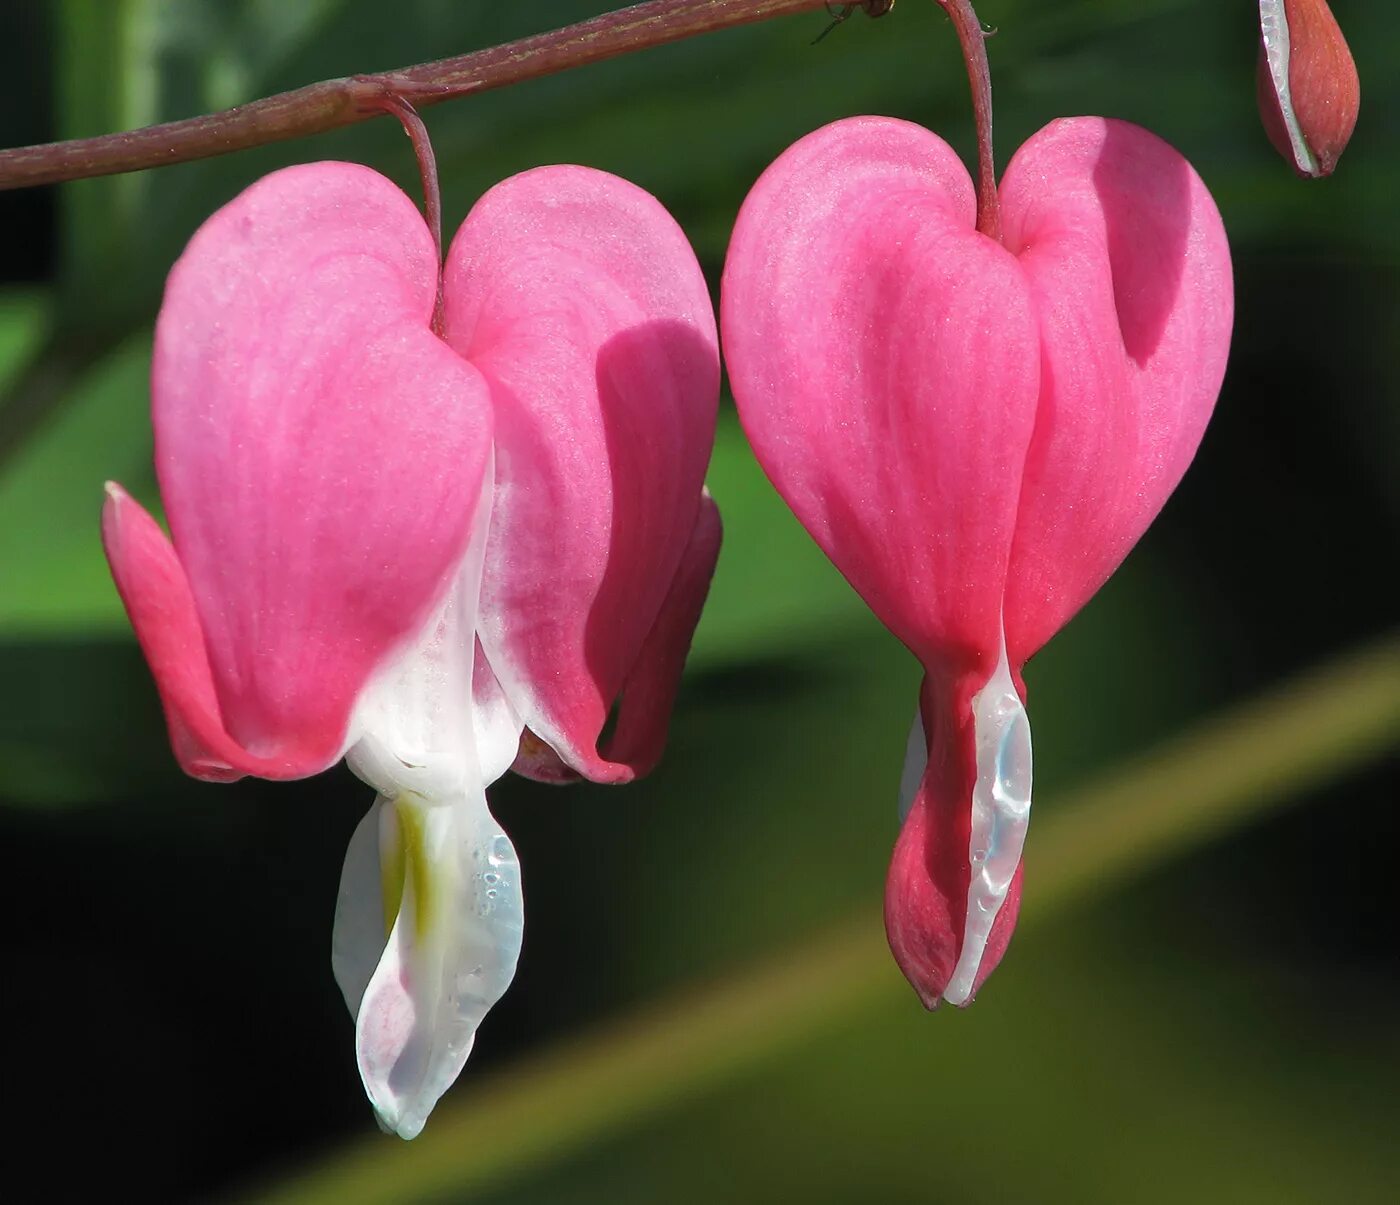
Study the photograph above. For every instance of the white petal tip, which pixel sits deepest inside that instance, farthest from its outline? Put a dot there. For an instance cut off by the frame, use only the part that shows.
(957, 996)
(391, 1121)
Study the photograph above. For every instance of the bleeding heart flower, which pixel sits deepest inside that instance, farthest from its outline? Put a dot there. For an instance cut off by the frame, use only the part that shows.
(976, 434)
(1308, 89)
(326, 462)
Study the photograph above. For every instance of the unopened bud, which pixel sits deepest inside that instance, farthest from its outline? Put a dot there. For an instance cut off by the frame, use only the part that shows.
(1309, 92)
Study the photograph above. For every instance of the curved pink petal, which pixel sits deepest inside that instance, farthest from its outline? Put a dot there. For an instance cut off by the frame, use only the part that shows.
(156, 593)
(1130, 273)
(884, 358)
(580, 301)
(320, 455)
(649, 694)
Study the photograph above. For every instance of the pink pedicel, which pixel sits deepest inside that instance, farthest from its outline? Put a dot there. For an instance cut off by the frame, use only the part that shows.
(976, 434)
(402, 549)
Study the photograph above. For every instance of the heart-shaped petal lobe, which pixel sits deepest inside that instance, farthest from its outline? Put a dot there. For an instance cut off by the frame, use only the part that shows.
(884, 360)
(580, 301)
(1130, 274)
(320, 454)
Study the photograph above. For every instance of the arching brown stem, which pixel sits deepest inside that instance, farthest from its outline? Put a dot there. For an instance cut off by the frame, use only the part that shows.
(427, 168)
(979, 79)
(341, 102)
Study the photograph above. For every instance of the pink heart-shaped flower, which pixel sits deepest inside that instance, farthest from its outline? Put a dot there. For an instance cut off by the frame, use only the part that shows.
(976, 434)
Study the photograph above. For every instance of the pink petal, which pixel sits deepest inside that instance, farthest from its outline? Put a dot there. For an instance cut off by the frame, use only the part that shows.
(1130, 272)
(320, 454)
(649, 694)
(156, 593)
(884, 359)
(579, 299)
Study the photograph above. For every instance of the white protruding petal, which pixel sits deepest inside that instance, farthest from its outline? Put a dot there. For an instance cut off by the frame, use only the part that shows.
(496, 722)
(450, 956)
(429, 919)
(414, 724)
(1278, 51)
(359, 935)
(1001, 810)
(915, 763)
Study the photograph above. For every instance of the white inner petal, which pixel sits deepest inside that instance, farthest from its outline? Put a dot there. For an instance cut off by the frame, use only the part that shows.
(1273, 25)
(494, 720)
(1001, 810)
(417, 727)
(430, 914)
(358, 937)
(451, 952)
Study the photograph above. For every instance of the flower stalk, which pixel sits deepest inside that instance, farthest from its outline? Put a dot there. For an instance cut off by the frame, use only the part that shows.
(427, 169)
(973, 40)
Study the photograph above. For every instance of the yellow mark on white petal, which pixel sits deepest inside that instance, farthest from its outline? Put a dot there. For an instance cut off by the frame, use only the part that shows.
(404, 862)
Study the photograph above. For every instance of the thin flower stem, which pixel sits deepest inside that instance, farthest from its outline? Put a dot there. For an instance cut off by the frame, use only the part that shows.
(341, 102)
(1236, 767)
(432, 195)
(979, 78)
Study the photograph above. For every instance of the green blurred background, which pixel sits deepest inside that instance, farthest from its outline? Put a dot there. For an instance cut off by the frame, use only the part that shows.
(1220, 1028)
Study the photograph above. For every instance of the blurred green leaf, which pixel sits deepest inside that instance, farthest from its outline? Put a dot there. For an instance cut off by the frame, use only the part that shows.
(773, 588)
(107, 81)
(54, 578)
(26, 317)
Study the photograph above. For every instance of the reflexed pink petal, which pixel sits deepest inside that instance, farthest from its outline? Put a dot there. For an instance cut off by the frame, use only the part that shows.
(157, 596)
(649, 694)
(1130, 272)
(884, 359)
(580, 301)
(320, 451)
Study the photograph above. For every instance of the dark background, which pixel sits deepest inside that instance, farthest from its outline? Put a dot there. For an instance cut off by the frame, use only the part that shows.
(1221, 1029)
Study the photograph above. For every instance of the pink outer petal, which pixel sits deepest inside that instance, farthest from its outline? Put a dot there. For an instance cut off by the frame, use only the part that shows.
(579, 299)
(883, 357)
(1130, 272)
(320, 454)
(644, 713)
(649, 694)
(153, 586)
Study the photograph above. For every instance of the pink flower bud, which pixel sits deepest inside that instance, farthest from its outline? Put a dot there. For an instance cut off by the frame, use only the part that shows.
(1309, 92)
